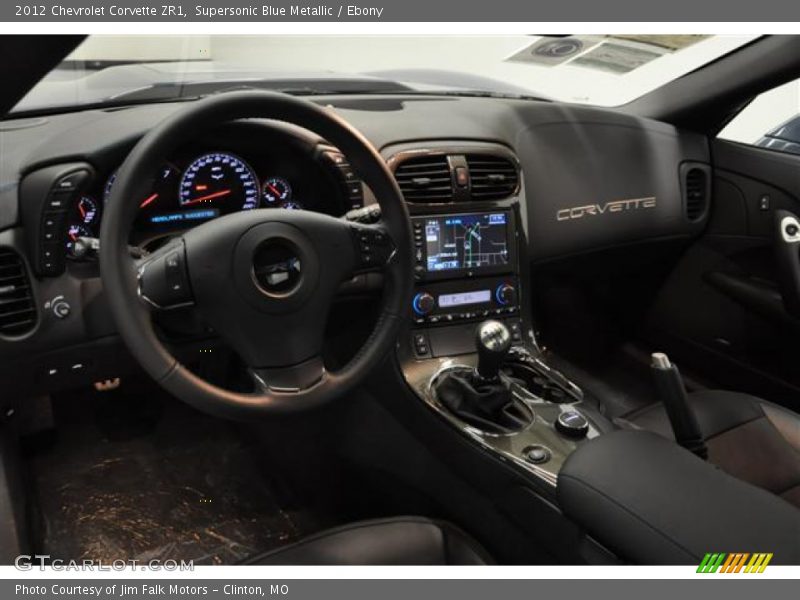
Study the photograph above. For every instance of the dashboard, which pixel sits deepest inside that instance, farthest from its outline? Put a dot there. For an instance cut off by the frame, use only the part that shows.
(472, 254)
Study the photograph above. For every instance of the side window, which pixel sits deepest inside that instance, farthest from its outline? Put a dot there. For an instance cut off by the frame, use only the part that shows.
(770, 121)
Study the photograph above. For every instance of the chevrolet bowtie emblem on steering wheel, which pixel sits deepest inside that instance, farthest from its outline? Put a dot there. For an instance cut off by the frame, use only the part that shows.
(278, 274)
(277, 268)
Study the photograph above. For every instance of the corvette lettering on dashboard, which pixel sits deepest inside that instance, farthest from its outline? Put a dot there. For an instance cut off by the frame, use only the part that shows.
(611, 207)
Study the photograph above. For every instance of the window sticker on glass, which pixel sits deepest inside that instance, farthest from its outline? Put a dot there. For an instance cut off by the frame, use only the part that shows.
(619, 57)
(555, 51)
(610, 53)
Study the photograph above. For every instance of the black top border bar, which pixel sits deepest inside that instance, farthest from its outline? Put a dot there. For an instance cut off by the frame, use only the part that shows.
(629, 11)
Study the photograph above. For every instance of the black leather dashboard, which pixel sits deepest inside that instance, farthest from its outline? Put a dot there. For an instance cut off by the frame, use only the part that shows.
(592, 179)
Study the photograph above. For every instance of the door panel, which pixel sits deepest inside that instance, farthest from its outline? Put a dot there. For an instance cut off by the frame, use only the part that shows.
(722, 309)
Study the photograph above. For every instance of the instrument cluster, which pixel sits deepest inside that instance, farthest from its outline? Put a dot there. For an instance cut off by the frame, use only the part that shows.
(192, 190)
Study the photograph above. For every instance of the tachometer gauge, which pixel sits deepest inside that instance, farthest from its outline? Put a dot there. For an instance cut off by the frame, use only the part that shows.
(164, 184)
(221, 182)
(87, 210)
(277, 192)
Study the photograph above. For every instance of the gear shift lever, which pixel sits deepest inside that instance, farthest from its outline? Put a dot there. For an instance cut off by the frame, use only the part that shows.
(493, 341)
(479, 397)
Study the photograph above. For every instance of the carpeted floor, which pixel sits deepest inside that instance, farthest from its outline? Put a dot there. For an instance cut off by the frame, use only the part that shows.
(132, 475)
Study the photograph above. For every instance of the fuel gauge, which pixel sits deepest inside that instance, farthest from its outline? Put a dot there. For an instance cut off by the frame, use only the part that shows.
(277, 192)
(87, 210)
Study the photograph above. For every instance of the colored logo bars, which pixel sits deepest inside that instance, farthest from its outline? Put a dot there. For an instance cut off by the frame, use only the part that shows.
(736, 562)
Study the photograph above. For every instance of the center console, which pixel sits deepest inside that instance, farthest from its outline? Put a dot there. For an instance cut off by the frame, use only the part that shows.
(465, 271)
(470, 352)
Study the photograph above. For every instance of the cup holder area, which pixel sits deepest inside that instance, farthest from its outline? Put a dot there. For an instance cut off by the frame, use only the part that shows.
(536, 383)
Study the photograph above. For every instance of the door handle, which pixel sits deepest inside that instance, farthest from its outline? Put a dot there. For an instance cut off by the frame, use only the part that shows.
(787, 253)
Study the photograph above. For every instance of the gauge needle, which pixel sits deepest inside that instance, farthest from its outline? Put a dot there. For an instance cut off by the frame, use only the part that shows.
(274, 190)
(82, 210)
(148, 200)
(208, 197)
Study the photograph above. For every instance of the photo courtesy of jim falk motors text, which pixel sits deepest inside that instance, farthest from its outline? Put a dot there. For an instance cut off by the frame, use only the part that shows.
(123, 590)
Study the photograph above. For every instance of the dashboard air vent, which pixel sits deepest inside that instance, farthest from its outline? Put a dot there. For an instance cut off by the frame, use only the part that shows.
(492, 177)
(17, 308)
(425, 179)
(696, 190)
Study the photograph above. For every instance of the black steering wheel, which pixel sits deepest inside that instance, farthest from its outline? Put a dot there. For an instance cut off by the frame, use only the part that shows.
(263, 279)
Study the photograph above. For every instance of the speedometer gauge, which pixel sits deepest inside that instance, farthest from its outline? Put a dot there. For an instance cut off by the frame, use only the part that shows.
(221, 182)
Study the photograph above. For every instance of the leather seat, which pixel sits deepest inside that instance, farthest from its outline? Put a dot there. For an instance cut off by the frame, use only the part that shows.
(395, 541)
(749, 438)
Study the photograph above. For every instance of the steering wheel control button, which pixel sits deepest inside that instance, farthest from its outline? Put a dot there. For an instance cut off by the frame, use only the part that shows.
(537, 455)
(373, 246)
(572, 424)
(164, 281)
(173, 268)
(337, 158)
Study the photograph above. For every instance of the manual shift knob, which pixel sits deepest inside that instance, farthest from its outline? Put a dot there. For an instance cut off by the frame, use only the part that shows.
(493, 341)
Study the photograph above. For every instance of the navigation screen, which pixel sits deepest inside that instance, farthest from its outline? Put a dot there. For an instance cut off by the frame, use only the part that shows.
(466, 241)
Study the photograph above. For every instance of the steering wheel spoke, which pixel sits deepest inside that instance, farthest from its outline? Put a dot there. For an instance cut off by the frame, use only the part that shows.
(292, 378)
(163, 278)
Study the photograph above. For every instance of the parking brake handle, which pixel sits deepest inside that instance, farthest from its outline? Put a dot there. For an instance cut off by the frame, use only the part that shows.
(671, 391)
(787, 253)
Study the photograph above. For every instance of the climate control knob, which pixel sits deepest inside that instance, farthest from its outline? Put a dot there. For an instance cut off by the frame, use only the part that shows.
(506, 294)
(423, 303)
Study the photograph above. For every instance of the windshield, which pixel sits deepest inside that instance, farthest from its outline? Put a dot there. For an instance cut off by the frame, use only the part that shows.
(602, 70)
